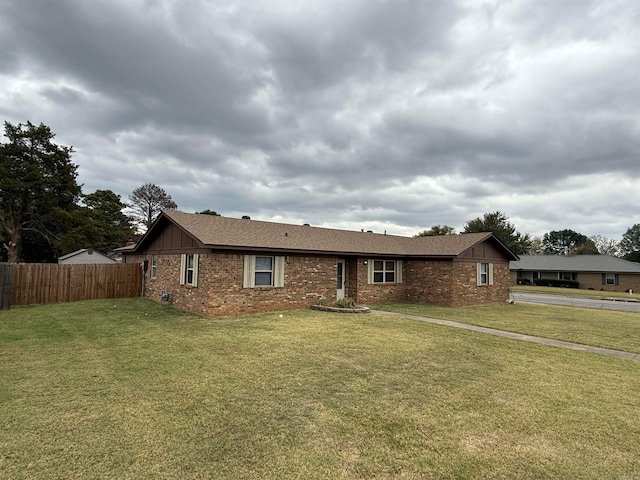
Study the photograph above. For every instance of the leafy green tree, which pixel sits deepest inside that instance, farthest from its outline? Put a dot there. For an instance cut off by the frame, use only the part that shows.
(587, 248)
(4, 247)
(105, 210)
(78, 231)
(209, 212)
(561, 242)
(630, 243)
(498, 224)
(72, 230)
(37, 180)
(437, 230)
(146, 203)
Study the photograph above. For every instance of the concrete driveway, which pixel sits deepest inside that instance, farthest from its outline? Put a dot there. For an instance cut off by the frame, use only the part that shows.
(607, 304)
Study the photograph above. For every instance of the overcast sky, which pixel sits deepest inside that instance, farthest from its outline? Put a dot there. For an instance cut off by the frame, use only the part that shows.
(382, 115)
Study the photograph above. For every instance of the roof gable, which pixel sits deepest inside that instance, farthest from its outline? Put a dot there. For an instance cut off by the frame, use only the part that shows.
(89, 251)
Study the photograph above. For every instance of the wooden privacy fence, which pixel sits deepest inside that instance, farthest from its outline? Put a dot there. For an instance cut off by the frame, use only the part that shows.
(39, 283)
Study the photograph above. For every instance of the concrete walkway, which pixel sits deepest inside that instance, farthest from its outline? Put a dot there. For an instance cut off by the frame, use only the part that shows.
(518, 336)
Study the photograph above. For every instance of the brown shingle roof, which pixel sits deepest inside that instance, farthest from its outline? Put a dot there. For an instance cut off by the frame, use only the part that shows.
(220, 232)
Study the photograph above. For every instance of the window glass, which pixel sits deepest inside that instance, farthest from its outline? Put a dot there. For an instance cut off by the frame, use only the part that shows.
(264, 272)
(189, 269)
(154, 264)
(384, 271)
(264, 263)
(611, 278)
(484, 273)
(263, 279)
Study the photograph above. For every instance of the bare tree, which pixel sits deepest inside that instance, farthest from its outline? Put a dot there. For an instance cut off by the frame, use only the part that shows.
(606, 246)
(146, 203)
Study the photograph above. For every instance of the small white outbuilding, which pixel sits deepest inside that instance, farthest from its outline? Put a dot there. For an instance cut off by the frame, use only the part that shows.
(85, 256)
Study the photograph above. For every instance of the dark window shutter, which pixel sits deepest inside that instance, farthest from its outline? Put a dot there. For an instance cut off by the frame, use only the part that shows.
(617, 280)
(604, 278)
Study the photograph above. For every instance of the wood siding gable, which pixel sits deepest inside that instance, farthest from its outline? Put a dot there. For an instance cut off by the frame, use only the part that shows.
(170, 238)
(486, 251)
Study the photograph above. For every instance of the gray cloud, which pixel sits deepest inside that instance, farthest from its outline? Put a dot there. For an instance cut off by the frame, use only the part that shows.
(394, 115)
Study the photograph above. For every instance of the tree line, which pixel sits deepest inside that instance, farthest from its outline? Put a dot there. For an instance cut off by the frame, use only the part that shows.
(559, 242)
(43, 212)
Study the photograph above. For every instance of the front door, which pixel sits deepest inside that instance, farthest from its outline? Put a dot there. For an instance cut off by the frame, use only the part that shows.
(340, 280)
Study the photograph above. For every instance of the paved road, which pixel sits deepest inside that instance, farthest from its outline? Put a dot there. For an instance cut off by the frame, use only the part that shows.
(576, 301)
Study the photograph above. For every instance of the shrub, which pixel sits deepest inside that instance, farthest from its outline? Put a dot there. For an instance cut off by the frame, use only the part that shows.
(524, 281)
(345, 303)
(556, 282)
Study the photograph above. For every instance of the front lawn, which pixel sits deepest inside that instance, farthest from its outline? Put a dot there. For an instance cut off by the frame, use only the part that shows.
(133, 389)
(601, 328)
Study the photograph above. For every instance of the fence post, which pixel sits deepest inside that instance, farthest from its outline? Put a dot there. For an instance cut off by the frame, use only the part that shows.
(5, 286)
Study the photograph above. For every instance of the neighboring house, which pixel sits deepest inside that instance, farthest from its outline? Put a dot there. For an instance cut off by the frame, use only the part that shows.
(85, 255)
(116, 254)
(596, 272)
(214, 265)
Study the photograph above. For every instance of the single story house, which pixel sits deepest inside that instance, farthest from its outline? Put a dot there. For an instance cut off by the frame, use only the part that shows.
(85, 256)
(596, 272)
(215, 265)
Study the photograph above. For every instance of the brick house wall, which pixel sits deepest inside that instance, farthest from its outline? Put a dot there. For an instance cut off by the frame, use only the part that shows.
(626, 281)
(430, 282)
(372, 294)
(468, 292)
(454, 284)
(220, 291)
(311, 279)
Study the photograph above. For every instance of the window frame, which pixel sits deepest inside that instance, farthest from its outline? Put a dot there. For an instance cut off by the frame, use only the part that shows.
(372, 271)
(571, 276)
(250, 271)
(154, 265)
(185, 269)
(484, 278)
(257, 271)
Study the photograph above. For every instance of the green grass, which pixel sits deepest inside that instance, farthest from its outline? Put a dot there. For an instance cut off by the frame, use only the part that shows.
(602, 328)
(131, 389)
(574, 292)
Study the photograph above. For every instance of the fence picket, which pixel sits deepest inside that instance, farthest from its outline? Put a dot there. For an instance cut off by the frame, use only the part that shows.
(40, 283)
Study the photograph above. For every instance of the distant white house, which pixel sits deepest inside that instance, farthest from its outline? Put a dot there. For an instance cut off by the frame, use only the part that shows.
(85, 256)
